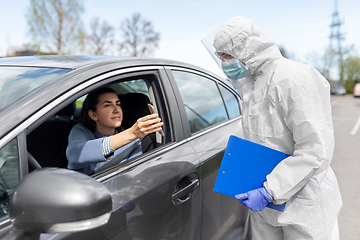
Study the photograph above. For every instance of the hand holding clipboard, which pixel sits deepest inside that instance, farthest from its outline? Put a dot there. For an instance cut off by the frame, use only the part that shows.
(245, 166)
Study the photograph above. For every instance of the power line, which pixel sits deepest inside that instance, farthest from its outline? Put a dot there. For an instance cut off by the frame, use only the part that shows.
(337, 36)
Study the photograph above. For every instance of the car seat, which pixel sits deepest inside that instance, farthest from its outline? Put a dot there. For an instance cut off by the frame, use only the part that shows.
(48, 143)
(134, 106)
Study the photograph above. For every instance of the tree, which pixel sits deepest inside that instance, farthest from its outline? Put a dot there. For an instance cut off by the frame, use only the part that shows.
(347, 53)
(285, 53)
(55, 24)
(101, 38)
(352, 73)
(324, 62)
(23, 50)
(139, 37)
(352, 68)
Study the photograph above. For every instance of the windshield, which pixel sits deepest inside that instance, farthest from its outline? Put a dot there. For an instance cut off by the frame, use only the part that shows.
(15, 82)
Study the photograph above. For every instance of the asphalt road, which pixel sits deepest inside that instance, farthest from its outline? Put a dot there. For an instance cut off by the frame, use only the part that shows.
(346, 162)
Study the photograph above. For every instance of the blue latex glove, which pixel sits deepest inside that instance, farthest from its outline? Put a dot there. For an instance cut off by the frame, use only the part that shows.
(256, 199)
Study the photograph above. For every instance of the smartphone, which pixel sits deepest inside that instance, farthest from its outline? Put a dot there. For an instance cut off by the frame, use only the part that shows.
(152, 111)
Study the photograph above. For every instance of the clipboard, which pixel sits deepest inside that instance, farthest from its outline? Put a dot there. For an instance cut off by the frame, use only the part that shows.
(245, 166)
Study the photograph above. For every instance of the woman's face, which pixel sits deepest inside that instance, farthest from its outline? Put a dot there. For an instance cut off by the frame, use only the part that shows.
(108, 114)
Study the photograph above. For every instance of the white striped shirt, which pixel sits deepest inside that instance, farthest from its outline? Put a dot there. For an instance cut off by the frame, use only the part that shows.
(107, 151)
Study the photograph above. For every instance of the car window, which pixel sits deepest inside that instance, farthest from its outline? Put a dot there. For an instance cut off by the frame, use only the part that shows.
(122, 88)
(137, 85)
(47, 143)
(203, 103)
(231, 102)
(9, 174)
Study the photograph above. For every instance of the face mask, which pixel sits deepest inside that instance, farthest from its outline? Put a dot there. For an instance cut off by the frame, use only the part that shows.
(234, 69)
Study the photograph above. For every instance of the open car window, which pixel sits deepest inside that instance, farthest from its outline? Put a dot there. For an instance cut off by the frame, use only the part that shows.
(48, 142)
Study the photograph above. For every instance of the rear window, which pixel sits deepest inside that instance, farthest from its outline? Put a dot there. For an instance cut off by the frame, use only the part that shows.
(15, 82)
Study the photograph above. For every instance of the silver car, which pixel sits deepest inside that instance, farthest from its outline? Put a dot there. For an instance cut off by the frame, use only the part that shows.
(165, 193)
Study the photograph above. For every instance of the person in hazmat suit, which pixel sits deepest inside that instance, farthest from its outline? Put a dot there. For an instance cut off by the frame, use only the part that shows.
(286, 106)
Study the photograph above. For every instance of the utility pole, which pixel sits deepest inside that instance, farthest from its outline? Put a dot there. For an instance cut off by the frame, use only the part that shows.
(336, 38)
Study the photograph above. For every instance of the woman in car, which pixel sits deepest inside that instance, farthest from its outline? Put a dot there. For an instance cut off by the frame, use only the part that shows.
(99, 137)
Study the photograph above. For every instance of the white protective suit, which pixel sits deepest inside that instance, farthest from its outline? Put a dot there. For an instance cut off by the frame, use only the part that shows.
(286, 106)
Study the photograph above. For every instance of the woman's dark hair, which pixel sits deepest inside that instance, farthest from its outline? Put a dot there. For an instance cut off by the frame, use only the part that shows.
(91, 100)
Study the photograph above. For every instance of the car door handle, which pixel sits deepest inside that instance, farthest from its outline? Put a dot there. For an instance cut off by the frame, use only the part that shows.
(185, 193)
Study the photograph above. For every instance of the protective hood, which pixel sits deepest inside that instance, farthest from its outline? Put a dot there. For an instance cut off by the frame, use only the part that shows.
(240, 38)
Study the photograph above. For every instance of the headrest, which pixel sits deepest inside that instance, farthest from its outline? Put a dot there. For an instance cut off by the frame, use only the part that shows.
(134, 106)
(68, 110)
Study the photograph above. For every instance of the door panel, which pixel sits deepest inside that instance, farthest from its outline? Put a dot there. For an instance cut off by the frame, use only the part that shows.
(223, 216)
(143, 206)
(205, 114)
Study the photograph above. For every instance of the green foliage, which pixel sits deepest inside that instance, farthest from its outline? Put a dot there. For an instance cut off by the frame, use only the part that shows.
(352, 68)
(349, 86)
(285, 53)
(352, 73)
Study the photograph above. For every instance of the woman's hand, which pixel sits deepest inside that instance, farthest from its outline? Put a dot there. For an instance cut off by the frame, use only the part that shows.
(146, 125)
(142, 127)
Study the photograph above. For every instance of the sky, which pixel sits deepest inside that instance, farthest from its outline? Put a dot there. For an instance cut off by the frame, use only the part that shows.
(301, 27)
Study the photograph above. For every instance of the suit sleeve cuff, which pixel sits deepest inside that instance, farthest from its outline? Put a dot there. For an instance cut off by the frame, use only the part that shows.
(107, 151)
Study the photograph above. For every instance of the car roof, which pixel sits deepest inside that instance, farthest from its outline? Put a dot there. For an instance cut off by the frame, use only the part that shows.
(53, 61)
(76, 62)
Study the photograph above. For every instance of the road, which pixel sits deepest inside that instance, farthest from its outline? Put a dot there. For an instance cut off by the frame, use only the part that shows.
(346, 162)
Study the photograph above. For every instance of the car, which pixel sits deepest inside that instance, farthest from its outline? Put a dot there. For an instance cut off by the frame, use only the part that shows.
(338, 90)
(356, 92)
(164, 193)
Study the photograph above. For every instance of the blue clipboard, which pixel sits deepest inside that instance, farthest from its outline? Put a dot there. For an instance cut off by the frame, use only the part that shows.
(245, 166)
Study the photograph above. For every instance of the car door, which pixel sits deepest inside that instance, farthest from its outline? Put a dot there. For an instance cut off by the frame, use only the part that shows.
(155, 195)
(212, 114)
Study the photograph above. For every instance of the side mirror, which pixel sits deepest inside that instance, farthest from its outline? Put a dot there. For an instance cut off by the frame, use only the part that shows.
(53, 200)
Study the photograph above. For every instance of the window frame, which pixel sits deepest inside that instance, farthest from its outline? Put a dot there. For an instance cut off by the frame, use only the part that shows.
(156, 92)
(23, 158)
(232, 91)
